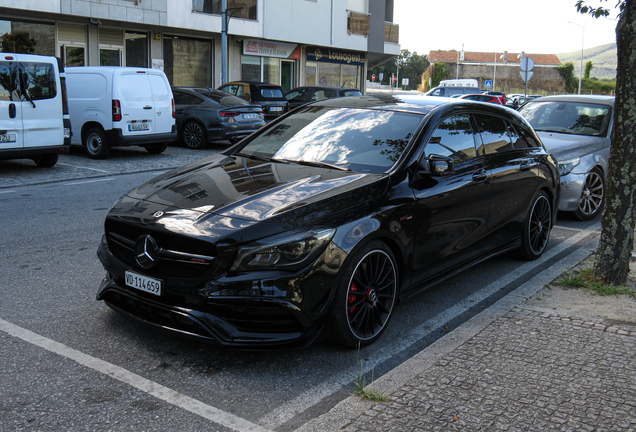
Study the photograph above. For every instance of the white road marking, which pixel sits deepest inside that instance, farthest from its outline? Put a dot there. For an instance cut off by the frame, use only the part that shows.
(312, 397)
(8, 191)
(89, 181)
(157, 390)
(81, 167)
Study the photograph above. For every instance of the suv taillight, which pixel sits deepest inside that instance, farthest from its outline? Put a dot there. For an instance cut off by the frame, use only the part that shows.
(116, 110)
(228, 113)
(174, 111)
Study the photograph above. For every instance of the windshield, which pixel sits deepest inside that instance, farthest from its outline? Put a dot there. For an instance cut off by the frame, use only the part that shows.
(576, 118)
(362, 140)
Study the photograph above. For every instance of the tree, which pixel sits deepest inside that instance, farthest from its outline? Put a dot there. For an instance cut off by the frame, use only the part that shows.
(411, 66)
(618, 220)
(18, 41)
(588, 70)
(567, 73)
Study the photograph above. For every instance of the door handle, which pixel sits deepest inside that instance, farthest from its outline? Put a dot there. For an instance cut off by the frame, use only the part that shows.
(12, 111)
(147, 107)
(480, 176)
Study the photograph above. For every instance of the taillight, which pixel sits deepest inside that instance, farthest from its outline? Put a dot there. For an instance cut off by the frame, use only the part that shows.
(64, 96)
(174, 112)
(116, 110)
(288, 107)
(228, 113)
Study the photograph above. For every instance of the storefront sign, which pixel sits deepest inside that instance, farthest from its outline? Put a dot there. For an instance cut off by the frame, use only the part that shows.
(265, 48)
(329, 55)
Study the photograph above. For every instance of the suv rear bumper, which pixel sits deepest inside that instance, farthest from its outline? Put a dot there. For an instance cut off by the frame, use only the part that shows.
(117, 139)
(28, 152)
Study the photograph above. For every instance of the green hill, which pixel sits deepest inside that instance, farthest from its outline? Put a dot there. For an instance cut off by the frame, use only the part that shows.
(603, 58)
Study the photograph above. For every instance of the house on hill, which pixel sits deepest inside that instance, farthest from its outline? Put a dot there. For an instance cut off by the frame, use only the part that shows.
(502, 68)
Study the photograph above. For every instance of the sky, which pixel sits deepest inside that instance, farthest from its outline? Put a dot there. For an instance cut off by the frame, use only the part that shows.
(532, 26)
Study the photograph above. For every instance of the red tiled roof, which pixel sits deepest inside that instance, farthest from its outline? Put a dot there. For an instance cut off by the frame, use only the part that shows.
(489, 57)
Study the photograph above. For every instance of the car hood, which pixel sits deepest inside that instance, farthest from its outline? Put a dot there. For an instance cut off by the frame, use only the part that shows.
(567, 146)
(257, 191)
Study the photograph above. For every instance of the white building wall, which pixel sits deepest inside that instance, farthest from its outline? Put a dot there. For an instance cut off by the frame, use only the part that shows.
(33, 5)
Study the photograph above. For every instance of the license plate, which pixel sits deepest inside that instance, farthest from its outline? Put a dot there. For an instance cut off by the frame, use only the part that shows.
(275, 109)
(249, 116)
(143, 283)
(7, 138)
(138, 127)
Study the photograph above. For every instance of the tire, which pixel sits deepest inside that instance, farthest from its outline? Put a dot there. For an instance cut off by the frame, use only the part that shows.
(592, 197)
(536, 228)
(45, 161)
(194, 136)
(365, 297)
(95, 144)
(157, 148)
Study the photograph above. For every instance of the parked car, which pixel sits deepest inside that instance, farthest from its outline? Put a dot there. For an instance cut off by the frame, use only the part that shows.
(517, 101)
(501, 95)
(269, 96)
(205, 115)
(302, 95)
(34, 120)
(450, 91)
(318, 224)
(112, 106)
(482, 98)
(577, 130)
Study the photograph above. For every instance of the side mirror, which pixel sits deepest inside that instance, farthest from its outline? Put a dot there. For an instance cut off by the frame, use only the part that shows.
(435, 166)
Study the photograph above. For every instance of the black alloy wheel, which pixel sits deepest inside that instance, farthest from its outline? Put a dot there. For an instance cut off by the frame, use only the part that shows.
(536, 228)
(157, 148)
(194, 135)
(366, 296)
(593, 196)
(45, 161)
(95, 144)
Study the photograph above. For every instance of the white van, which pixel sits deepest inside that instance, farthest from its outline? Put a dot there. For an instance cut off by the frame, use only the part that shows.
(114, 106)
(34, 121)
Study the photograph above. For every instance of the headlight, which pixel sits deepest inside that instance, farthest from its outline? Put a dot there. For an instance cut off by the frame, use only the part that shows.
(282, 251)
(566, 167)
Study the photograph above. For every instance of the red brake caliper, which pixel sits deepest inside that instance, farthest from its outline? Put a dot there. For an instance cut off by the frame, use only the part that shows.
(351, 298)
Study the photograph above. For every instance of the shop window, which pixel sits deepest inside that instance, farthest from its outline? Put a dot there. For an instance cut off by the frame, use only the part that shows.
(136, 49)
(329, 74)
(310, 74)
(42, 33)
(250, 68)
(74, 55)
(271, 70)
(109, 57)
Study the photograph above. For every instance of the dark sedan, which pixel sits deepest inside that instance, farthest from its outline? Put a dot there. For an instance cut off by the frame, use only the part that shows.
(303, 95)
(320, 222)
(204, 115)
(269, 96)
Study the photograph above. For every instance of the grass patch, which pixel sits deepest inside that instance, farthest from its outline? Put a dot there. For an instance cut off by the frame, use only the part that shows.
(584, 279)
(361, 383)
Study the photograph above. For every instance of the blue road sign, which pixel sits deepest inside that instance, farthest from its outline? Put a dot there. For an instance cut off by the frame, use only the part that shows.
(488, 83)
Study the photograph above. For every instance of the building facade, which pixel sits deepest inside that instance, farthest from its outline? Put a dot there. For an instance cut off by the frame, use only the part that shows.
(285, 42)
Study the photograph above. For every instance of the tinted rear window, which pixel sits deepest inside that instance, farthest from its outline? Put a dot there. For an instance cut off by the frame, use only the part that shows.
(223, 98)
(271, 93)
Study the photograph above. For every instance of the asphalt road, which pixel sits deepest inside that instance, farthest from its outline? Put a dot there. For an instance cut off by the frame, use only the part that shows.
(69, 362)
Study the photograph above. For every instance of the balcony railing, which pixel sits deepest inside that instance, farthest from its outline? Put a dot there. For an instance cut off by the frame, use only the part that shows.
(248, 10)
(391, 32)
(358, 23)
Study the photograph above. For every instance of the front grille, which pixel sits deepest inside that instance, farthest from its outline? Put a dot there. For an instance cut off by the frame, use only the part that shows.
(180, 256)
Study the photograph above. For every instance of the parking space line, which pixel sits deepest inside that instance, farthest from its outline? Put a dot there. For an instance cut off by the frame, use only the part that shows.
(8, 191)
(150, 387)
(314, 395)
(81, 167)
(89, 181)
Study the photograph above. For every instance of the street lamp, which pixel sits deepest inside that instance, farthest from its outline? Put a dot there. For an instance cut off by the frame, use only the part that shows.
(582, 44)
(224, 27)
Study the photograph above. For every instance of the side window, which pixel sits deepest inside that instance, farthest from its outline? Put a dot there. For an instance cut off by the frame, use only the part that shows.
(454, 138)
(494, 134)
(517, 141)
(438, 92)
(8, 83)
(227, 89)
(529, 139)
(39, 80)
(178, 97)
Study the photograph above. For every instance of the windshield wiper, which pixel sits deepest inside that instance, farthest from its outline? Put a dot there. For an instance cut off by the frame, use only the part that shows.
(317, 164)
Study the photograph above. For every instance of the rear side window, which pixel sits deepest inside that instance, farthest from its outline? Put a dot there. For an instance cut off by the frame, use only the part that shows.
(135, 88)
(322, 94)
(454, 138)
(186, 99)
(528, 138)
(224, 98)
(8, 83)
(271, 93)
(494, 134)
(39, 80)
(351, 93)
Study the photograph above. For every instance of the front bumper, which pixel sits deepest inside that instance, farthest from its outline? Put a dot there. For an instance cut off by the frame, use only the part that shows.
(265, 310)
(572, 186)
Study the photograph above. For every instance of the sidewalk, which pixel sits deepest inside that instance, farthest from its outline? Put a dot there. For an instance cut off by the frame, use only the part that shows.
(516, 367)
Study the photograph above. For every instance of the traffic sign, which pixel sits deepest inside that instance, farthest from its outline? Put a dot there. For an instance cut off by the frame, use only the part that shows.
(526, 75)
(394, 79)
(488, 84)
(373, 77)
(527, 64)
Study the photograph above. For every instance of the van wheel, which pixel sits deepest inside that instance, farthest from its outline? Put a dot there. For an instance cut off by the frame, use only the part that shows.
(95, 144)
(194, 135)
(157, 148)
(45, 161)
